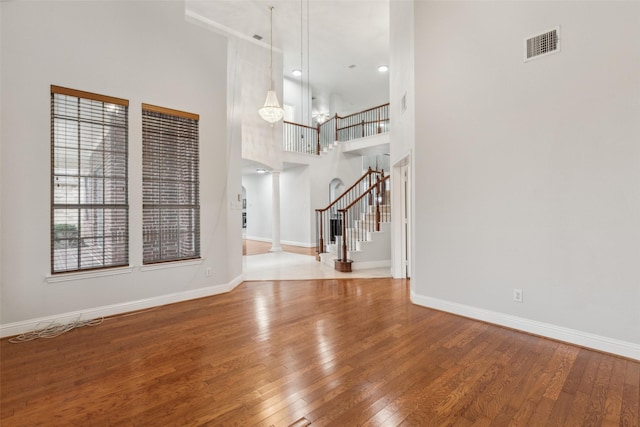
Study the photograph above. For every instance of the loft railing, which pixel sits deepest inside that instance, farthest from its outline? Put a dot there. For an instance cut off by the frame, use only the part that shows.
(361, 216)
(365, 123)
(327, 132)
(306, 139)
(300, 138)
(328, 224)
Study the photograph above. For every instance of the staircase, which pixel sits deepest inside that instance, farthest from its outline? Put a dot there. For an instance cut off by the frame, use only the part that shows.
(354, 230)
(365, 249)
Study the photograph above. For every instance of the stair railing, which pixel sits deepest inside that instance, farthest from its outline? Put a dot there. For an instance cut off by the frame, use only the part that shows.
(328, 224)
(327, 132)
(354, 216)
(300, 138)
(312, 140)
(362, 124)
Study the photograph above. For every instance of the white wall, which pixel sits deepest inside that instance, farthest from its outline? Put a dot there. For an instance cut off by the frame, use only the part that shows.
(295, 207)
(234, 164)
(303, 189)
(401, 78)
(140, 51)
(527, 174)
(299, 97)
(259, 205)
(402, 117)
(261, 141)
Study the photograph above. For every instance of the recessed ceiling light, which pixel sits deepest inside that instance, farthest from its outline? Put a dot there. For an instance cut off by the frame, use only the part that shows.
(296, 72)
(261, 170)
(383, 68)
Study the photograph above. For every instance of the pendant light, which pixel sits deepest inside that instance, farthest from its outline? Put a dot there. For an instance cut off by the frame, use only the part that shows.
(271, 112)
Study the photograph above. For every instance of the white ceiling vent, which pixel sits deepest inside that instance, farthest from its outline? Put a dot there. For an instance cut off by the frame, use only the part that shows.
(542, 44)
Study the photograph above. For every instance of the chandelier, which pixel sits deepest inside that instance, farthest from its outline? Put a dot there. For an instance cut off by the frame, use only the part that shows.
(271, 112)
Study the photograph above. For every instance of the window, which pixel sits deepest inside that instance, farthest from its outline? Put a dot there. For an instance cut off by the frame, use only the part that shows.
(89, 194)
(170, 186)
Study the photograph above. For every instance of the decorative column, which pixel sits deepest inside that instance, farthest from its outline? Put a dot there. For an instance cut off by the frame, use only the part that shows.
(275, 213)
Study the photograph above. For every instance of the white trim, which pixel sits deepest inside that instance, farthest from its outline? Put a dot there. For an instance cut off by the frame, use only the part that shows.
(258, 239)
(362, 265)
(171, 264)
(17, 328)
(282, 242)
(572, 336)
(198, 19)
(300, 244)
(82, 275)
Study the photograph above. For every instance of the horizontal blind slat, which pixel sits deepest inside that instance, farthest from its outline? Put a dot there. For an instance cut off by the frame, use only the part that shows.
(171, 211)
(89, 203)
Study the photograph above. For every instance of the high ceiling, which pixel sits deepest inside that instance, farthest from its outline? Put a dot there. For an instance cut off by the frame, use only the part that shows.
(347, 40)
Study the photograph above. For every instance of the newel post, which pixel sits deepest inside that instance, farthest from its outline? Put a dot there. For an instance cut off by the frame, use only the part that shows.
(344, 235)
(343, 264)
(378, 197)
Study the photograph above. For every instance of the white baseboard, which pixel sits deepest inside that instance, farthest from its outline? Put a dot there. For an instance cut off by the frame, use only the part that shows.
(21, 327)
(300, 244)
(361, 265)
(282, 242)
(572, 336)
(257, 239)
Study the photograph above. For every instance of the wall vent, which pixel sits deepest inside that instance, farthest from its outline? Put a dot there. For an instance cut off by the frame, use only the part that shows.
(542, 44)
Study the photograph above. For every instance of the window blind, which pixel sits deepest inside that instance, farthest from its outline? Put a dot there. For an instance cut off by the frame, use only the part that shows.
(170, 184)
(89, 192)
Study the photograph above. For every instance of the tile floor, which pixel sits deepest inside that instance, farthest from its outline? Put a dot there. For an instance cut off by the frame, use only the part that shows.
(291, 266)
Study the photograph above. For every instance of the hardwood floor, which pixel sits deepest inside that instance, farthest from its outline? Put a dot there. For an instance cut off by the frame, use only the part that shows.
(254, 247)
(325, 352)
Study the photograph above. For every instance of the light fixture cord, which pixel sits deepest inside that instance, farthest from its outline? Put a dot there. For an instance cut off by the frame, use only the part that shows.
(302, 117)
(271, 46)
(309, 97)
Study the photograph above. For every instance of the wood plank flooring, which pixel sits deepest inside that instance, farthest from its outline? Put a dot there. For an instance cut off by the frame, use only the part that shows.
(297, 353)
(254, 247)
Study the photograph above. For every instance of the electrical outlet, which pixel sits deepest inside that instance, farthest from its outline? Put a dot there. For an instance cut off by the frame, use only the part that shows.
(208, 272)
(517, 295)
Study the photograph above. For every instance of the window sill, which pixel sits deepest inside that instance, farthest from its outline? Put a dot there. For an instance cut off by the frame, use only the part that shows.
(81, 275)
(171, 264)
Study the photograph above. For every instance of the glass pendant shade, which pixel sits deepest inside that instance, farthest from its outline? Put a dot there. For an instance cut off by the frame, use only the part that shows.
(271, 112)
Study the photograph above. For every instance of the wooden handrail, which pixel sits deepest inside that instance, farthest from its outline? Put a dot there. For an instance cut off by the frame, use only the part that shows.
(312, 133)
(345, 210)
(331, 130)
(325, 228)
(365, 193)
(361, 123)
(362, 178)
(298, 124)
(363, 111)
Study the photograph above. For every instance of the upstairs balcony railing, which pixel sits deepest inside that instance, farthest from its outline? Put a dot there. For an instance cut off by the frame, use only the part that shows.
(300, 138)
(309, 140)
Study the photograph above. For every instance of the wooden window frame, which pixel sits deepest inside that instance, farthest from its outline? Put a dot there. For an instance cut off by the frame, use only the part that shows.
(171, 185)
(89, 181)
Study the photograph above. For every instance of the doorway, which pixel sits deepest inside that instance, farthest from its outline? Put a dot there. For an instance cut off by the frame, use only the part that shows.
(405, 256)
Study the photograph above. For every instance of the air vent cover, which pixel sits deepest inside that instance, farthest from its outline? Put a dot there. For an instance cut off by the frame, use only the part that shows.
(542, 44)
